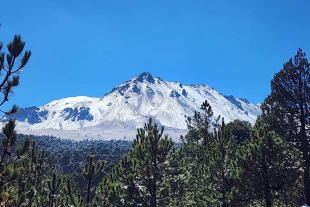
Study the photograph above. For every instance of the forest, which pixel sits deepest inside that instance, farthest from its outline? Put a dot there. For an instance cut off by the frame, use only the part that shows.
(214, 164)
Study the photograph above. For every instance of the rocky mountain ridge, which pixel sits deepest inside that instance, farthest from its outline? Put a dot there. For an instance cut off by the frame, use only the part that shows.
(130, 104)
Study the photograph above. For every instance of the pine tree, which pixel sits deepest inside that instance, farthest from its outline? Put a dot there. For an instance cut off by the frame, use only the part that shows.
(286, 110)
(221, 152)
(240, 130)
(109, 192)
(207, 161)
(199, 125)
(207, 114)
(148, 175)
(91, 171)
(8, 170)
(268, 169)
(74, 194)
(54, 187)
(9, 71)
(36, 171)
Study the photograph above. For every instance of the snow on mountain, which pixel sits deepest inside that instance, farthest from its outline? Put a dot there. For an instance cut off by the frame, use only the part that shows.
(129, 105)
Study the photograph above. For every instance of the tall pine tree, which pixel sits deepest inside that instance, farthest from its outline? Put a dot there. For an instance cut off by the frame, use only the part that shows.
(207, 156)
(287, 109)
(268, 169)
(148, 176)
(11, 64)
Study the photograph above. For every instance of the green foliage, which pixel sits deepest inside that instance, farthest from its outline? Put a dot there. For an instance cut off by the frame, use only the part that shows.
(10, 70)
(8, 172)
(147, 176)
(240, 130)
(75, 197)
(199, 125)
(233, 165)
(268, 170)
(38, 183)
(210, 180)
(53, 186)
(68, 156)
(220, 153)
(286, 109)
(92, 171)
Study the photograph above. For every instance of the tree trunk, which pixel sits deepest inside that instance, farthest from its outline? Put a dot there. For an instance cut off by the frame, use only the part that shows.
(268, 198)
(88, 191)
(153, 201)
(307, 184)
(305, 149)
(267, 189)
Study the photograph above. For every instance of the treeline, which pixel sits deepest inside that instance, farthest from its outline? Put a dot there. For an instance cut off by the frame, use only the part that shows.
(232, 164)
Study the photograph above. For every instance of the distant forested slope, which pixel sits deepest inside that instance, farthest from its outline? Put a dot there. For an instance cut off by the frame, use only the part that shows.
(68, 155)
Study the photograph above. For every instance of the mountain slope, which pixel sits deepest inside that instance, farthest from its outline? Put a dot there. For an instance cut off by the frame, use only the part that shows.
(131, 103)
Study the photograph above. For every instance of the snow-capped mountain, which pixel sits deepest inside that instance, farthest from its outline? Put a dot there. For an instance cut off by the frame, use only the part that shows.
(129, 105)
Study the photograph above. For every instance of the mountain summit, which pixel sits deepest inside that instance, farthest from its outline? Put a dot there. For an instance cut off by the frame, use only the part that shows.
(130, 104)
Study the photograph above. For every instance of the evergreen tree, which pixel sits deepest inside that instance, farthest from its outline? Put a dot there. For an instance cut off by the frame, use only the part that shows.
(207, 161)
(9, 71)
(109, 193)
(268, 170)
(240, 130)
(54, 187)
(207, 114)
(199, 125)
(9, 168)
(73, 191)
(92, 170)
(36, 171)
(148, 175)
(220, 153)
(193, 150)
(286, 110)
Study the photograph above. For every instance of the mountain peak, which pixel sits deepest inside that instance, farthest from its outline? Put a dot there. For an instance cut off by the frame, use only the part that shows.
(244, 100)
(145, 76)
(130, 104)
(142, 78)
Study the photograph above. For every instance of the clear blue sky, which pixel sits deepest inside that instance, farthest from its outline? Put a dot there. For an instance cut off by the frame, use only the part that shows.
(88, 47)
